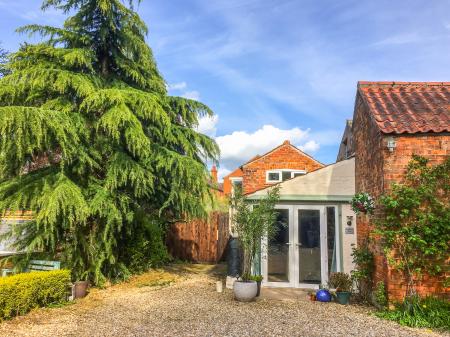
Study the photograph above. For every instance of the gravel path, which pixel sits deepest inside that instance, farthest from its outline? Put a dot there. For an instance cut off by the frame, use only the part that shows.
(147, 306)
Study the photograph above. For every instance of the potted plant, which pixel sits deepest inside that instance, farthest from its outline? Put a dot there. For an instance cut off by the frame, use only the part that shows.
(252, 222)
(343, 284)
(258, 279)
(362, 203)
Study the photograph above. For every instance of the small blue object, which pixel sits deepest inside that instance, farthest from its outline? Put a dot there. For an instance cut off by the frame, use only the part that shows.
(323, 295)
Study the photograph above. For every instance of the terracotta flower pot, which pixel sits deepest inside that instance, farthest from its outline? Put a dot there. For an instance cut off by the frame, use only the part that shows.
(80, 289)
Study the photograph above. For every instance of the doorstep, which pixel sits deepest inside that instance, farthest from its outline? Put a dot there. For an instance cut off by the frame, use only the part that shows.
(285, 294)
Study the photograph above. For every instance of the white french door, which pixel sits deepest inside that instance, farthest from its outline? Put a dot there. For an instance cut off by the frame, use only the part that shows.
(298, 255)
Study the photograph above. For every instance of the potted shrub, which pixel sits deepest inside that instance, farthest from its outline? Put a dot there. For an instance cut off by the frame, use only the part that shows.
(258, 279)
(252, 222)
(343, 284)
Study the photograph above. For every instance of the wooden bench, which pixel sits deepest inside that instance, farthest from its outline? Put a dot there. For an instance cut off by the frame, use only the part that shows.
(36, 265)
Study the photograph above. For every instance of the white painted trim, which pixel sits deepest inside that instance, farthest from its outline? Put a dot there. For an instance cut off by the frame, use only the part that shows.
(294, 263)
(236, 178)
(280, 172)
(264, 260)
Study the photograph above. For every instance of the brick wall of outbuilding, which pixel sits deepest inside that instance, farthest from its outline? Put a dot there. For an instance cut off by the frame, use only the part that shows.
(283, 157)
(376, 169)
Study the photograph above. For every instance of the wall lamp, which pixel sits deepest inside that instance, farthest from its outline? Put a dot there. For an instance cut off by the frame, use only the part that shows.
(391, 144)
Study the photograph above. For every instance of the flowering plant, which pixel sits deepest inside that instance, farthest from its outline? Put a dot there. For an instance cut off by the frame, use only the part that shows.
(362, 202)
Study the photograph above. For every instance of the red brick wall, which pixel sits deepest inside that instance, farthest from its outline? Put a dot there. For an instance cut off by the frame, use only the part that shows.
(375, 171)
(369, 175)
(227, 181)
(435, 147)
(284, 157)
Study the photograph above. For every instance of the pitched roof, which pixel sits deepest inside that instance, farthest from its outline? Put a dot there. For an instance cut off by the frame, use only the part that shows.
(408, 107)
(285, 143)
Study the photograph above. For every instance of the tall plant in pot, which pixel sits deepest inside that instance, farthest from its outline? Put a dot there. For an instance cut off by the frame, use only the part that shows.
(252, 222)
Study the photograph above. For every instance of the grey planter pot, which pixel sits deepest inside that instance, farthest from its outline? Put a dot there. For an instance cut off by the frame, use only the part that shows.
(245, 291)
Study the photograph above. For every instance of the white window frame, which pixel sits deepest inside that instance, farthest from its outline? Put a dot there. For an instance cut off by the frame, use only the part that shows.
(280, 172)
(232, 180)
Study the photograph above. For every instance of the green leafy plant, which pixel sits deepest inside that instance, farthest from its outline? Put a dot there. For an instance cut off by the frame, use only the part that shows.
(363, 259)
(251, 222)
(93, 145)
(24, 292)
(362, 203)
(380, 296)
(340, 281)
(414, 232)
(257, 278)
(428, 312)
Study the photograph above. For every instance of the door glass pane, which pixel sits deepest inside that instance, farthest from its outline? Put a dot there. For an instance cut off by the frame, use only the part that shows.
(278, 250)
(309, 245)
(331, 240)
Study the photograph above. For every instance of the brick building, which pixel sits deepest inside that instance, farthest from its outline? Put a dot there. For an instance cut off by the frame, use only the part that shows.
(391, 122)
(283, 162)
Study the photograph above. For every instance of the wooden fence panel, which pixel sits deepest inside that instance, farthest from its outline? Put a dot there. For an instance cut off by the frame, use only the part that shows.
(201, 241)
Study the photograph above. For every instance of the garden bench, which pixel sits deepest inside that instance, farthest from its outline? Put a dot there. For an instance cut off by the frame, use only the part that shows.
(36, 265)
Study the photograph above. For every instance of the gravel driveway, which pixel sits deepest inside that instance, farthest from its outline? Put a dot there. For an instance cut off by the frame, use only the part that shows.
(184, 303)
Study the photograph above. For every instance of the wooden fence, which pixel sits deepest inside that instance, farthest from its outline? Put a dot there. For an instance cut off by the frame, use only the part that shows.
(199, 241)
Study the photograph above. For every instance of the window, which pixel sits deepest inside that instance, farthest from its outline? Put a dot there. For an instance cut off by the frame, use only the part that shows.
(236, 184)
(276, 176)
(273, 176)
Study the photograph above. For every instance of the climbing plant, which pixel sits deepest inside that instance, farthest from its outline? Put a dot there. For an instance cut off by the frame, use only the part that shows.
(93, 145)
(415, 229)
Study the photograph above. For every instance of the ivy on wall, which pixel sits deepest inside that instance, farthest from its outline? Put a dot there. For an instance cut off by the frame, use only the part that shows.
(415, 231)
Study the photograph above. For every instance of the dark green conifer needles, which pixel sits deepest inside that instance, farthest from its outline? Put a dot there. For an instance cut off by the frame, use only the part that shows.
(91, 142)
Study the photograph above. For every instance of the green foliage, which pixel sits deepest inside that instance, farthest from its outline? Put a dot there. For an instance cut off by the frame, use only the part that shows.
(363, 259)
(362, 202)
(428, 312)
(251, 222)
(380, 295)
(24, 292)
(3, 61)
(341, 282)
(415, 230)
(91, 142)
(257, 278)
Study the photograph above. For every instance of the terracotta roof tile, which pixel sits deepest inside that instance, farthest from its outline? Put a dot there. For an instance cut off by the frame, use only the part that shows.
(408, 107)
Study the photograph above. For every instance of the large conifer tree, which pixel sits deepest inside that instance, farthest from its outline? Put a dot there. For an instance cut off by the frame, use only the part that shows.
(92, 143)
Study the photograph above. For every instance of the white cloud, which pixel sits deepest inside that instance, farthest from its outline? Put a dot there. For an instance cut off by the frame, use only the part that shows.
(310, 146)
(195, 95)
(208, 125)
(240, 146)
(177, 86)
(222, 172)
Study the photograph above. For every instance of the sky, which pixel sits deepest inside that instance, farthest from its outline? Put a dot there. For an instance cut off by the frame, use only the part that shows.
(273, 70)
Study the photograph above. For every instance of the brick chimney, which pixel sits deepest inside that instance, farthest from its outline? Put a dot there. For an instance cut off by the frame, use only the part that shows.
(214, 174)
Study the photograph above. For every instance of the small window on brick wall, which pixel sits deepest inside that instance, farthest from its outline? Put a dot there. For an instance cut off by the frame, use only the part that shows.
(276, 176)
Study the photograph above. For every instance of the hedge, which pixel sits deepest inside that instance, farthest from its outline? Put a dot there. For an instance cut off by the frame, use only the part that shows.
(24, 292)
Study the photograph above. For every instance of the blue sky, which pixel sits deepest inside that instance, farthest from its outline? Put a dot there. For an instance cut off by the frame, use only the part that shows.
(279, 69)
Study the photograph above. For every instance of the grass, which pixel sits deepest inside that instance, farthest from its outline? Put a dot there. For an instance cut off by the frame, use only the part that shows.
(429, 312)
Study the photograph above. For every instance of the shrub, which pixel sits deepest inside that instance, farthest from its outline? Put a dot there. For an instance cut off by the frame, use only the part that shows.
(363, 259)
(414, 231)
(379, 295)
(428, 312)
(24, 292)
(341, 282)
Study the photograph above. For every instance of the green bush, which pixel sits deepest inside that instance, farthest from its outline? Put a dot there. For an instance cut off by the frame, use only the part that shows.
(24, 292)
(428, 312)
